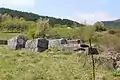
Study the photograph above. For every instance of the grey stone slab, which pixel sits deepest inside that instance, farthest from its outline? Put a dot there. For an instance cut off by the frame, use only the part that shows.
(37, 45)
(17, 42)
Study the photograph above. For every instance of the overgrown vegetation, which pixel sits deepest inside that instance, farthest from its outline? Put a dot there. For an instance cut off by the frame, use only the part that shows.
(32, 29)
(99, 26)
(33, 17)
(14, 24)
(53, 64)
(42, 28)
(49, 65)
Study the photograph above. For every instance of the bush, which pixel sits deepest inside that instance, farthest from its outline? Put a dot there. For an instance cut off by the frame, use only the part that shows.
(99, 26)
(99, 29)
(116, 73)
(112, 32)
(59, 32)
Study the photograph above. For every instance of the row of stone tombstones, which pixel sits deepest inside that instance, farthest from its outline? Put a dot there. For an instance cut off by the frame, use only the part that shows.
(20, 42)
(41, 44)
(38, 45)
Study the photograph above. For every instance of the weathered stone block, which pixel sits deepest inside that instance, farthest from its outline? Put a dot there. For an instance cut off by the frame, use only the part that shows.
(55, 43)
(17, 42)
(62, 44)
(37, 45)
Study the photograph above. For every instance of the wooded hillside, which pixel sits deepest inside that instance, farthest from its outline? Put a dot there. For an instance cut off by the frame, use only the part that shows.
(33, 17)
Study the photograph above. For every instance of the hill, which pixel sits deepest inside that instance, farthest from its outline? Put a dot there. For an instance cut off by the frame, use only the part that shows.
(33, 17)
(112, 24)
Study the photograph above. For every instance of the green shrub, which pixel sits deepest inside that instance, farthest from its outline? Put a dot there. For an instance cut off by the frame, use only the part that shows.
(99, 26)
(116, 73)
(112, 32)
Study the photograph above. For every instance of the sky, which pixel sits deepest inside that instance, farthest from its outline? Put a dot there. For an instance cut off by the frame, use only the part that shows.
(88, 11)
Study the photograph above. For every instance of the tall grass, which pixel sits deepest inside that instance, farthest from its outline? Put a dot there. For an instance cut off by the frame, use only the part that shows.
(25, 65)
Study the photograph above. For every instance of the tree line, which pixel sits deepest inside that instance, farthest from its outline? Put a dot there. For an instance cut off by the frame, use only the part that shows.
(33, 17)
(42, 27)
(14, 24)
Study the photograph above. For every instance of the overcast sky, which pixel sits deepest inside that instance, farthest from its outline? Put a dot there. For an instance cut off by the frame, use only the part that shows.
(79, 10)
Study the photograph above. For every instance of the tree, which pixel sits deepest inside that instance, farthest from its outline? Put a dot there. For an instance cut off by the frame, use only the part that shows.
(33, 17)
(99, 26)
(15, 24)
(42, 27)
(74, 24)
(87, 33)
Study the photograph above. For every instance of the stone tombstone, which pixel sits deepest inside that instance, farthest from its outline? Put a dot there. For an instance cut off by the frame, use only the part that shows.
(58, 43)
(78, 41)
(37, 45)
(17, 42)
(64, 41)
(92, 51)
(74, 41)
(63, 44)
(55, 43)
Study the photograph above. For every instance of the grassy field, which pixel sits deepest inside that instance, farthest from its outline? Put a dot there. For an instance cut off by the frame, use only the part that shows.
(49, 65)
(6, 36)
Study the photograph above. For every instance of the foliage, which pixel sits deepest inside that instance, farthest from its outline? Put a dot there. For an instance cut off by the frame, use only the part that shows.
(6, 36)
(99, 26)
(112, 24)
(87, 33)
(37, 29)
(109, 41)
(31, 33)
(84, 33)
(33, 17)
(42, 27)
(116, 73)
(60, 32)
(9, 24)
(114, 31)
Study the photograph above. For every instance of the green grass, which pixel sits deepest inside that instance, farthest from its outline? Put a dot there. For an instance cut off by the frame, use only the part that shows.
(6, 36)
(49, 65)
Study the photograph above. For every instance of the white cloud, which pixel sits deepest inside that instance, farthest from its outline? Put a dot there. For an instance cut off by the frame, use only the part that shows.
(93, 17)
(17, 3)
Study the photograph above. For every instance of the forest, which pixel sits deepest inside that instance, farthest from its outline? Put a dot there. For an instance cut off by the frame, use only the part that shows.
(33, 25)
(29, 16)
